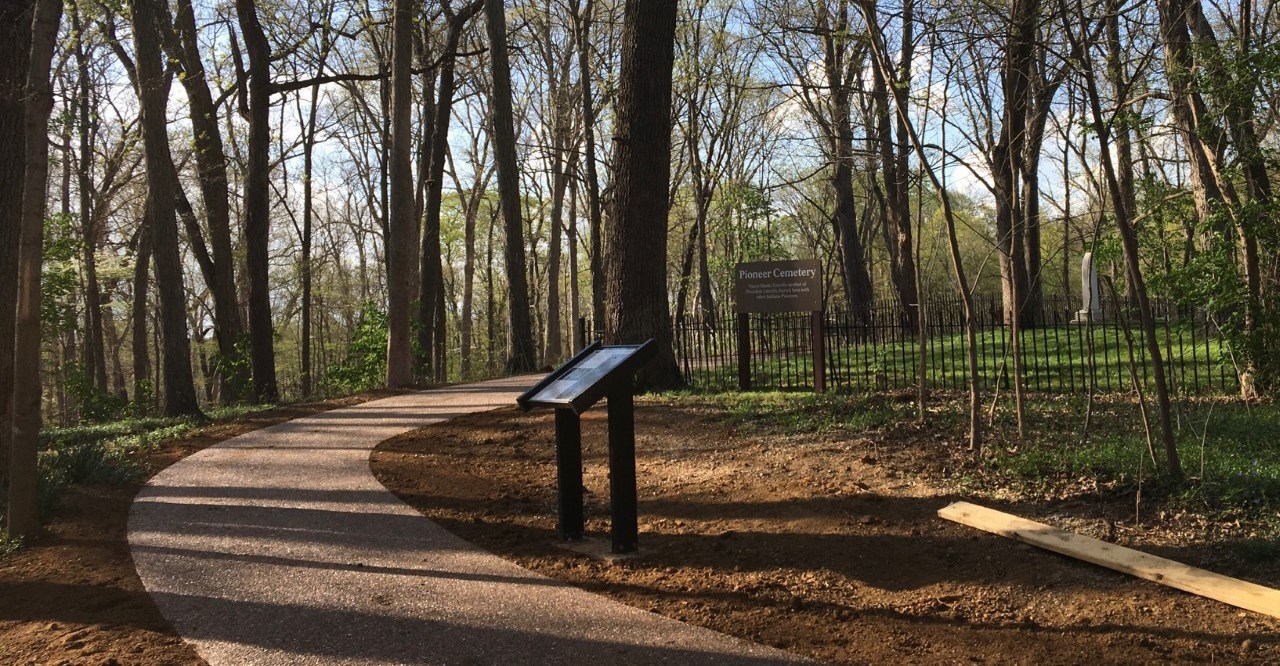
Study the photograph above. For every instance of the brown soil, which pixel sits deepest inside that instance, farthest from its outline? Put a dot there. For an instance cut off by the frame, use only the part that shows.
(825, 545)
(71, 596)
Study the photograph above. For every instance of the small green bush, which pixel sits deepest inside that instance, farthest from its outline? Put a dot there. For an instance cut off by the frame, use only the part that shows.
(365, 365)
(95, 406)
(8, 545)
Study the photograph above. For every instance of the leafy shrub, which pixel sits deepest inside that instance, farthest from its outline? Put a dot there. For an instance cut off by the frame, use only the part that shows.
(95, 406)
(365, 365)
(8, 545)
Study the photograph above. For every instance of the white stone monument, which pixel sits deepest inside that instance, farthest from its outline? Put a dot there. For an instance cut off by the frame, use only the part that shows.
(1091, 309)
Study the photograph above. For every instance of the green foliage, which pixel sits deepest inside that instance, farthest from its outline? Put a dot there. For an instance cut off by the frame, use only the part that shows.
(144, 395)
(60, 280)
(88, 462)
(103, 452)
(1213, 279)
(8, 545)
(236, 365)
(95, 406)
(807, 412)
(1241, 465)
(365, 365)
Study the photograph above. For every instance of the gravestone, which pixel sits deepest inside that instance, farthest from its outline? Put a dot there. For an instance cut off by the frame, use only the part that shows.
(1091, 309)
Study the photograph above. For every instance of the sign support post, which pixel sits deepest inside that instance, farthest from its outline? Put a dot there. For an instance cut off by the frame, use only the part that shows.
(744, 351)
(623, 527)
(598, 371)
(819, 353)
(569, 474)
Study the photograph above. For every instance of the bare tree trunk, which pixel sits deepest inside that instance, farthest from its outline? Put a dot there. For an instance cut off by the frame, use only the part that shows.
(589, 149)
(257, 206)
(521, 354)
(894, 148)
(491, 310)
(686, 274)
(575, 297)
(1129, 241)
(118, 384)
(94, 347)
(308, 215)
(881, 61)
(153, 89)
(23, 511)
(15, 53)
(211, 169)
(308, 212)
(553, 349)
(432, 274)
(844, 219)
(636, 271)
(141, 356)
(402, 227)
(465, 325)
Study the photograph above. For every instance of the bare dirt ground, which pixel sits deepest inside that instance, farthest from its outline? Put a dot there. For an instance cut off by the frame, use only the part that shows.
(825, 545)
(72, 597)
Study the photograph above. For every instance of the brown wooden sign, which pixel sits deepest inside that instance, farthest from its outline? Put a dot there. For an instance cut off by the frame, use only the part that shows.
(778, 286)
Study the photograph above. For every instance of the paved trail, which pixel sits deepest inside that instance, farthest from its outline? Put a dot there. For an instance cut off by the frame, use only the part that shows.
(280, 547)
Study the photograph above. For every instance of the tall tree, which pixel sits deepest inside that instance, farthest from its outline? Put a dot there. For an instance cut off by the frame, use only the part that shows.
(893, 147)
(182, 46)
(402, 227)
(1124, 218)
(432, 275)
(521, 356)
(594, 207)
(636, 241)
(557, 57)
(85, 103)
(15, 52)
(138, 314)
(257, 206)
(478, 152)
(153, 91)
(23, 518)
(825, 91)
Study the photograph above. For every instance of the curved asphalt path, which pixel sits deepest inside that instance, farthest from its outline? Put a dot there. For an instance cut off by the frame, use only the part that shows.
(280, 547)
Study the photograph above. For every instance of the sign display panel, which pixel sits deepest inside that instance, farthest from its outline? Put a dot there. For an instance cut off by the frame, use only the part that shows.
(588, 376)
(778, 286)
(583, 374)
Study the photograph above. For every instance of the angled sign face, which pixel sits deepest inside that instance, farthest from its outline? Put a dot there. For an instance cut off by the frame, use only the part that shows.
(588, 376)
(778, 286)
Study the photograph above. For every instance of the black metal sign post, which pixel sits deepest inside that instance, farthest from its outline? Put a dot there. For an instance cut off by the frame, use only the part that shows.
(596, 372)
(623, 528)
(819, 353)
(569, 474)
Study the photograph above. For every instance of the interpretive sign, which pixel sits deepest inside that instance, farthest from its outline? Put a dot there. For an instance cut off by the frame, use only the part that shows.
(595, 372)
(583, 380)
(778, 286)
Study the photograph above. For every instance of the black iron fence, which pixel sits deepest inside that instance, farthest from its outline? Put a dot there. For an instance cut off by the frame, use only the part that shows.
(883, 350)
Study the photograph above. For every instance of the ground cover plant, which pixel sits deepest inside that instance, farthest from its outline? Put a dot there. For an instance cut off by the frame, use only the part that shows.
(70, 595)
(107, 452)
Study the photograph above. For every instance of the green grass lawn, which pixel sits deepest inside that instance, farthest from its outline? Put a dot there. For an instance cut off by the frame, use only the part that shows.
(1055, 359)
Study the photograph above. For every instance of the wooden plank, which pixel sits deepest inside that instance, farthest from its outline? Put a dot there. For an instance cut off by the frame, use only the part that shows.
(1228, 590)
